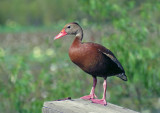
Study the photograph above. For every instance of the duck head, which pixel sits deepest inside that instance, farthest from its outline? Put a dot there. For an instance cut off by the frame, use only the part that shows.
(70, 29)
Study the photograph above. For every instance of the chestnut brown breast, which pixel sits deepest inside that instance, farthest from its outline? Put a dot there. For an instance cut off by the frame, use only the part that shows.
(89, 57)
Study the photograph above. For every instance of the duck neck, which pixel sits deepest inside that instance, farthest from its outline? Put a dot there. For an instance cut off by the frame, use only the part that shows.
(79, 34)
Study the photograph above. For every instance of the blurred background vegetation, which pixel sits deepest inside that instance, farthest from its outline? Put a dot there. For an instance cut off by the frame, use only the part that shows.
(34, 68)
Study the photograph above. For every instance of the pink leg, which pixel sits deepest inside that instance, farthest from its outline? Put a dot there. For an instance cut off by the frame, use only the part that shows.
(92, 93)
(103, 100)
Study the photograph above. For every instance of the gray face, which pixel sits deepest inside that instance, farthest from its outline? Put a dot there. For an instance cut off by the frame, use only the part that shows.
(72, 29)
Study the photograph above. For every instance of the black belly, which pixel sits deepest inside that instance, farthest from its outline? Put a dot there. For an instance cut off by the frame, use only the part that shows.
(104, 68)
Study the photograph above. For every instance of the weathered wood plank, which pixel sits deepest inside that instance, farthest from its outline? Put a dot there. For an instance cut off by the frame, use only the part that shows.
(81, 106)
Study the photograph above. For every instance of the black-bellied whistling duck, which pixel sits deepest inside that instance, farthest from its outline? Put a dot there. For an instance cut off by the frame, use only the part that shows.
(92, 58)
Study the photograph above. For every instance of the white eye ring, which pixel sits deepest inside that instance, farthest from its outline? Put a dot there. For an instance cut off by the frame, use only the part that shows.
(69, 27)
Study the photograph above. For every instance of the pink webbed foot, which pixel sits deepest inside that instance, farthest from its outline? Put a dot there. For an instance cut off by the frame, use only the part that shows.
(92, 94)
(99, 101)
(88, 97)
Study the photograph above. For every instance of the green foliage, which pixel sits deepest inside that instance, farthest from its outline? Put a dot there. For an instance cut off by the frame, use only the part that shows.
(36, 12)
(135, 41)
(34, 69)
(30, 79)
(134, 38)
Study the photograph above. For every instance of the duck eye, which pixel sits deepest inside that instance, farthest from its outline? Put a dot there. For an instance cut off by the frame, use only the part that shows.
(69, 27)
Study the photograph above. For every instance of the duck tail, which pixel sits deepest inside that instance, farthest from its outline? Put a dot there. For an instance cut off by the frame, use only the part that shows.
(122, 76)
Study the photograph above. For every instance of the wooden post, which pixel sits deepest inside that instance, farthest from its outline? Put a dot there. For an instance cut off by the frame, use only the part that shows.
(81, 106)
